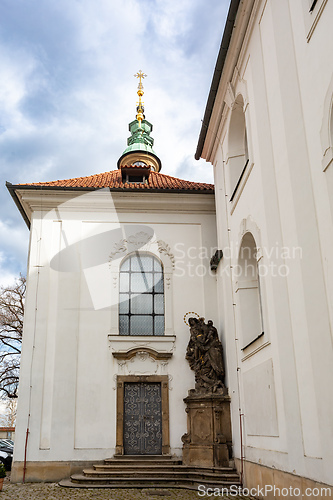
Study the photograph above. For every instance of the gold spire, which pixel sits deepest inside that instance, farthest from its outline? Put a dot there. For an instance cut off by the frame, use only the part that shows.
(140, 109)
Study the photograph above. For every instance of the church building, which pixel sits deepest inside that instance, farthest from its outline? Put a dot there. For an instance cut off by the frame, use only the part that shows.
(124, 266)
(118, 261)
(268, 132)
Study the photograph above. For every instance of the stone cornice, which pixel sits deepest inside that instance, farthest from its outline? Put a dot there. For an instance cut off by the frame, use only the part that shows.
(69, 201)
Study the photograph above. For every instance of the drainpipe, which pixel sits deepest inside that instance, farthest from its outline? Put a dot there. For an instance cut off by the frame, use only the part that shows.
(241, 415)
(25, 454)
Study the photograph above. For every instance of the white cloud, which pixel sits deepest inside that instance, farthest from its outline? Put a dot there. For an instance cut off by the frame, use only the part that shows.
(13, 252)
(16, 68)
(67, 91)
(7, 277)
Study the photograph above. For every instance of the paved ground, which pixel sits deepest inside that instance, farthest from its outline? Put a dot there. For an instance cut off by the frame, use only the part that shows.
(52, 491)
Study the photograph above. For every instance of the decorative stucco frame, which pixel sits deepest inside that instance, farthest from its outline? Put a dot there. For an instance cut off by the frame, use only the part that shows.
(164, 381)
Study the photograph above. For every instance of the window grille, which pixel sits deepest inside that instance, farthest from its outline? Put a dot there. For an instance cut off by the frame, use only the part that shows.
(141, 296)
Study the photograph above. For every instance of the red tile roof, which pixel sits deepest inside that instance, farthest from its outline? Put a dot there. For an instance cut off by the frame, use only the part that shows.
(113, 180)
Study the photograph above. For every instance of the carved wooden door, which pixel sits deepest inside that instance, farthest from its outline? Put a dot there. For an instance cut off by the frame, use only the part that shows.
(142, 418)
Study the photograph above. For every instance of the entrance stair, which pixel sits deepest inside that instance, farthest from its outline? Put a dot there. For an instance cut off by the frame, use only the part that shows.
(162, 471)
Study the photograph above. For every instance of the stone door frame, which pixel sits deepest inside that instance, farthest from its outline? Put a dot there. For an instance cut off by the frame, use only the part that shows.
(164, 381)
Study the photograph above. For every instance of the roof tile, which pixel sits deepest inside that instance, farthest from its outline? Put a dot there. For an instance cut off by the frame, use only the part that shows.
(113, 180)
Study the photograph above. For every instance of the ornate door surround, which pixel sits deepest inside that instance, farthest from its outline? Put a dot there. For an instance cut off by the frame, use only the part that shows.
(163, 380)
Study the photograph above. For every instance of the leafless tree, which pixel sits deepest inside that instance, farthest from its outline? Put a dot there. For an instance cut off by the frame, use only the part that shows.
(8, 418)
(11, 329)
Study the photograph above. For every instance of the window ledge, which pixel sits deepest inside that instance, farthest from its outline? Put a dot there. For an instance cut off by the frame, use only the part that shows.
(327, 158)
(312, 17)
(253, 341)
(240, 186)
(256, 349)
(124, 343)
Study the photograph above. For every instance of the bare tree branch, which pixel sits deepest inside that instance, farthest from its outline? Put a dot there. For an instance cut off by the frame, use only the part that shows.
(11, 331)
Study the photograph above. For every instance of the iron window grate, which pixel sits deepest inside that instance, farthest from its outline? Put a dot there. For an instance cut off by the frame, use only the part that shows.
(141, 296)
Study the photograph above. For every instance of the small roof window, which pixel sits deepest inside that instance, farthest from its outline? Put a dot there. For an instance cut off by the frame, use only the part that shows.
(136, 178)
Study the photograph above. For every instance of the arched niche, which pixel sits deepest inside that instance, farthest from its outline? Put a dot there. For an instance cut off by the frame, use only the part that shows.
(238, 155)
(248, 291)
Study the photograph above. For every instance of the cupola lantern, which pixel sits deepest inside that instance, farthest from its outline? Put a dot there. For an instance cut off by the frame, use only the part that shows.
(139, 154)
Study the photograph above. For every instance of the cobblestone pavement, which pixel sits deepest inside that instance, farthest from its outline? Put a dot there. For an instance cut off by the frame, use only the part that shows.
(52, 491)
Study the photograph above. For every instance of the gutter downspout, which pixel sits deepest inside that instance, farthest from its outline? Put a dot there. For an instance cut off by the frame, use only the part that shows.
(25, 454)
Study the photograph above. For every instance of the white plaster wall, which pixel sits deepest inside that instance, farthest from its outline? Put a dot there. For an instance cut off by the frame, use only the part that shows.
(285, 203)
(68, 373)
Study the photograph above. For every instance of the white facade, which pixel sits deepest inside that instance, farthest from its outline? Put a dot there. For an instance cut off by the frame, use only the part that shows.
(273, 113)
(68, 381)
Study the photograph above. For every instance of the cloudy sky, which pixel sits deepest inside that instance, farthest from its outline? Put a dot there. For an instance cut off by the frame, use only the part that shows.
(67, 91)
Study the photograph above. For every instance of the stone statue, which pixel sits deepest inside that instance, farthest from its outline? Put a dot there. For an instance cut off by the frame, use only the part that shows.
(205, 356)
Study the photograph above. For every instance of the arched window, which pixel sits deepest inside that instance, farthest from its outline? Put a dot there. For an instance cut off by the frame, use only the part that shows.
(248, 291)
(238, 155)
(141, 296)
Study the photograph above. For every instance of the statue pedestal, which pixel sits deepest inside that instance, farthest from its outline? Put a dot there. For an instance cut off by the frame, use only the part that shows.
(208, 440)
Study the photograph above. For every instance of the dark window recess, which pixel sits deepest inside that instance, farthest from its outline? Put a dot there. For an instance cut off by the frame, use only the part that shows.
(141, 296)
(312, 4)
(141, 179)
(135, 178)
(239, 180)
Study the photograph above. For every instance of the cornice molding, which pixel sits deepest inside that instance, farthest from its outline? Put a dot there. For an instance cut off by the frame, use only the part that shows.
(126, 344)
(142, 351)
(234, 62)
(44, 201)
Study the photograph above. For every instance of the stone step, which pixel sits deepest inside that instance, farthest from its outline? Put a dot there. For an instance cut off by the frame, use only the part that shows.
(174, 474)
(68, 483)
(161, 467)
(124, 471)
(141, 457)
(144, 482)
(150, 459)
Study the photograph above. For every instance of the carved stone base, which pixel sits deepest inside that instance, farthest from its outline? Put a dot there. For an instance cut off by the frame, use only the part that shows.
(208, 440)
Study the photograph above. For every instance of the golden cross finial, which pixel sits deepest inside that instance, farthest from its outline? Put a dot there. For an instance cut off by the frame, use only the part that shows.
(140, 92)
(140, 75)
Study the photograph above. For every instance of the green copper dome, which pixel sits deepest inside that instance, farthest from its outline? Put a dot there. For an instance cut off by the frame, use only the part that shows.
(140, 141)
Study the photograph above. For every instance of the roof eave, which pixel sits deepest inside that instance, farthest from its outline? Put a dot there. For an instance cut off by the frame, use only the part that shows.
(226, 38)
(12, 190)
